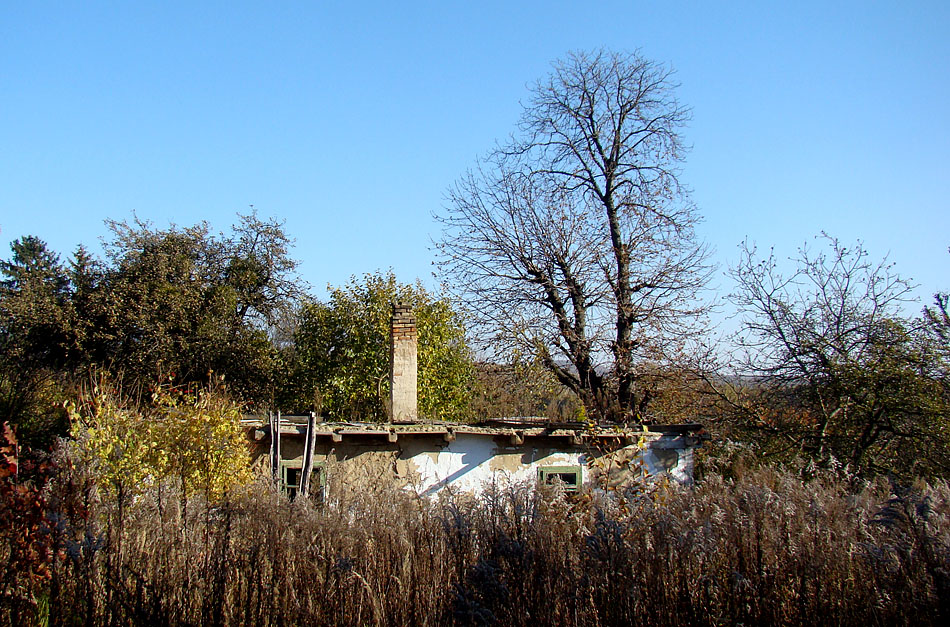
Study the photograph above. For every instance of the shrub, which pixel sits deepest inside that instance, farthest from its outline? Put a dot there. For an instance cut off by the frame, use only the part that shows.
(26, 550)
(192, 436)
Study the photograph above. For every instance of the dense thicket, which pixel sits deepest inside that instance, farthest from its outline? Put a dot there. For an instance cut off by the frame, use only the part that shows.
(761, 548)
(37, 337)
(185, 306)
(165, 304)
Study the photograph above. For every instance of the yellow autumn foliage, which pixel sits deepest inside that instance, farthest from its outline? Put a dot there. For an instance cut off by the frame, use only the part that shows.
(189, 437)
(202, 432)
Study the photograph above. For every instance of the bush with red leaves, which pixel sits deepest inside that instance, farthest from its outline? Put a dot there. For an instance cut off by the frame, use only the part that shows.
(25, 542)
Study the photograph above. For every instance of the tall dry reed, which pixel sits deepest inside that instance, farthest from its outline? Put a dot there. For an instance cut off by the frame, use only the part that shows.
(763, 548)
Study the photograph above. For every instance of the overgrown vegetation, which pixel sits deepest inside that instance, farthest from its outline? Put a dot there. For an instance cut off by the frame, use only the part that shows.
(186, 305)
(342, 347)
(179, 302)
(578, 244)
(828, 367)
(190, 436)
(762, 548)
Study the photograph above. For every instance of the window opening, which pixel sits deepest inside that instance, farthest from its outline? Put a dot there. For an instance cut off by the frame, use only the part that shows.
(570, 476)
(290, 474)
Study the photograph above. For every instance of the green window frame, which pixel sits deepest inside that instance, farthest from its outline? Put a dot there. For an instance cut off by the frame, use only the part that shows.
(571, 476)
(290, 471)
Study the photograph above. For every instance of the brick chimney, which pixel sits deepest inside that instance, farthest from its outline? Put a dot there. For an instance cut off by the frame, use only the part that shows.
(403, 365)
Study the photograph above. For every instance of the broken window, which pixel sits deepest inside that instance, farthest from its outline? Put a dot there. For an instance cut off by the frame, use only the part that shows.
(290, 475)
(666, 458)
(569, 476)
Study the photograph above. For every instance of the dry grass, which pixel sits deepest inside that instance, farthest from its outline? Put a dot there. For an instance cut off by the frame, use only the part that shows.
(764, 548)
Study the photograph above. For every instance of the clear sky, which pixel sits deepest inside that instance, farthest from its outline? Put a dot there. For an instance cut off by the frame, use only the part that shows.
(351, 121)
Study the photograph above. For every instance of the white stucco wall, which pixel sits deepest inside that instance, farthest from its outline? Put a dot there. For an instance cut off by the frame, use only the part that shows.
(472, 463)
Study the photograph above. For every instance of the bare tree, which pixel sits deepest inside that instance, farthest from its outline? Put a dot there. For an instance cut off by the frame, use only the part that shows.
(837, 370)
(574, 243)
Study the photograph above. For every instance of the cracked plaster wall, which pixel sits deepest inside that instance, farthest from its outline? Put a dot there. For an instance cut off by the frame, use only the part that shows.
(473, 462)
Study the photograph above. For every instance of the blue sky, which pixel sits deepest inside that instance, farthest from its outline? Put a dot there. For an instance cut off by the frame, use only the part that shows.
(351, 121)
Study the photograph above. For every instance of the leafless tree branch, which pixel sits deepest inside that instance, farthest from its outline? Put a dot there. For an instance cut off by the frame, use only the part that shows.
(576, 241)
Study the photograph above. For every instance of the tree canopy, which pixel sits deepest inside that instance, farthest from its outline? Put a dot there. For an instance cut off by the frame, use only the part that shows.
(174, 303)
(183, 302)
(343, 347)
(37, 338)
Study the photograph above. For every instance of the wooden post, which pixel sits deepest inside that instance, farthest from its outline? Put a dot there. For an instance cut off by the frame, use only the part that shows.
(307, 468)
(275, 447)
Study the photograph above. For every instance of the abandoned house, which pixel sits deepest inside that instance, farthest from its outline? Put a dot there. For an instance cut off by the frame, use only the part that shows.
(317, 458)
